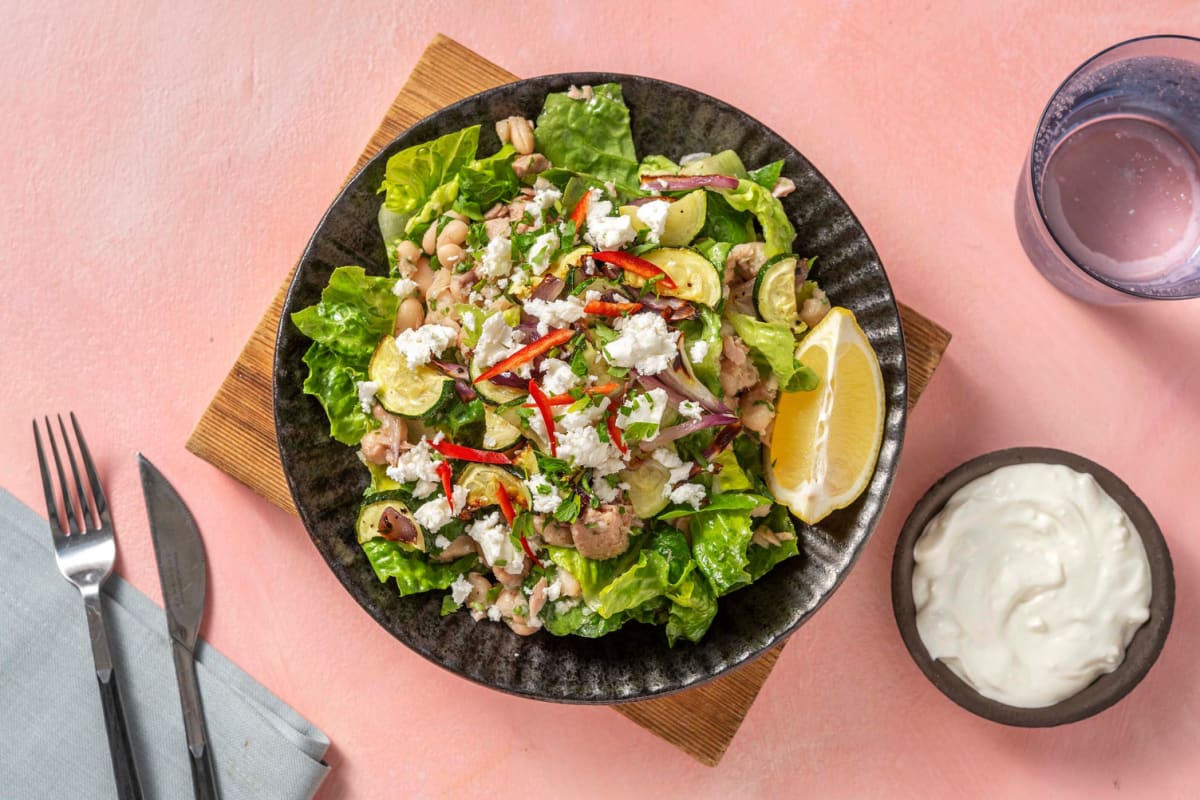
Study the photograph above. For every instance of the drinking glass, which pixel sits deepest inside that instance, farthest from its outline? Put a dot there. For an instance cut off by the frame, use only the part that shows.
(1108, 204)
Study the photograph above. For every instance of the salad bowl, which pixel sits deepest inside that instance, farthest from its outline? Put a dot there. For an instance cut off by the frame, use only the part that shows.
(327, 479)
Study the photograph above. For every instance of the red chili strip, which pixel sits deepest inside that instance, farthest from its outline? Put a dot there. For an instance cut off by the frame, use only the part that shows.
(457, 451)
(614, 432)
(445, 472)
(543, 406)
(604, 309)
(579, 213)
(567, 399)
(638, 266)
(528, 353)
(506, 506)
(529, 552)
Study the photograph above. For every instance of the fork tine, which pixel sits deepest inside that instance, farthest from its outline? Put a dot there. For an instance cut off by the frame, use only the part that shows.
(56, 527)
(93, 478)
(68, 506)
(86, 520)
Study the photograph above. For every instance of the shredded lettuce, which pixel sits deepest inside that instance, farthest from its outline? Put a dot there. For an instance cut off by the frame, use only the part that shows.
(355, 312)
(592, 136)
(775, 343)
(414, 573)
(758, 200)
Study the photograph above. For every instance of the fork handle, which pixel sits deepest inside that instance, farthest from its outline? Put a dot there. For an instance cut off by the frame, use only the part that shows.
(125, 773)
(124, 767)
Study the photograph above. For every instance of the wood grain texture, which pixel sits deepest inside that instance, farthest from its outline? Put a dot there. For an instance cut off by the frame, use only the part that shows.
(237, 432)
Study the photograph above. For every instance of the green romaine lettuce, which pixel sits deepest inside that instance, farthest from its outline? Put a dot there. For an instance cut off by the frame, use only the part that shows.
(657, 165)
(441, 200)
(593, 576)
(767, 175)
(775, 343)
(487, 181)
(693, 608)
(777, 228)
(591, 137)
(412, 175)
(728, 501)
(719, 543)
(705, 327)
(644, 581)
(413, 572)
(724, 223)
(355, 312)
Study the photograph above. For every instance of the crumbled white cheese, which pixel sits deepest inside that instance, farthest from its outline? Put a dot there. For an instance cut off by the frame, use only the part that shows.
(418, 345)
(554, 313)
(691, 494)
(539, 254)
(460, 590)
(583, 448)
(545, 195)
(645, 344)
(654, 216)
(366, 394)
(690, 409)
(417, 465)
(436, 514)
(404, 287)
(563, 606)
(502, 283)
(642, 407)
(603, 231)
(544, 494)
(554, 590)
(558, 377)
(492, 535)
(603, 490)
(679, 469)
(497, 258)
(690, 157)
(493, 614)
(442, 542)
(698, 350)
(468, 322)
(520, 279)
(497, 340)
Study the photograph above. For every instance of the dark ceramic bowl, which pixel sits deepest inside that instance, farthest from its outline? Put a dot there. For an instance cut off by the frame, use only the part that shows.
(1107, 689)
(327, 480)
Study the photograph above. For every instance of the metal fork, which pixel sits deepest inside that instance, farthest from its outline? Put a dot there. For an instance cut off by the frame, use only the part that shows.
(85, 552)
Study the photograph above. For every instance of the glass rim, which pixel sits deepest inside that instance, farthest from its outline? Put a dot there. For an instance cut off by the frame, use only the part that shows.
(1037, 200)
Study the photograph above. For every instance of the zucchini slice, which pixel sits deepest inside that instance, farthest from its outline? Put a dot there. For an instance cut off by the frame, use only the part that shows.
(646, 485)
(492, 392)
(404, 390)
(498, 432)
(481, 480)
(696, 279)
(726, 162)
(386, 516)
(775, 291)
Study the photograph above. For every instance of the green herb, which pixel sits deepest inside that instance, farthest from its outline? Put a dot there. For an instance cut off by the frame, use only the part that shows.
(568, 509)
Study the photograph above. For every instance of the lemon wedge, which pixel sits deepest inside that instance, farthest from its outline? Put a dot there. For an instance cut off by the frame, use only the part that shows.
(825, 442)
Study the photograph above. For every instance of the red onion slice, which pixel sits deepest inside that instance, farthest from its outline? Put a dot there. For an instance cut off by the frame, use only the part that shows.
(680, 183)
(456, 371)
(685, 428)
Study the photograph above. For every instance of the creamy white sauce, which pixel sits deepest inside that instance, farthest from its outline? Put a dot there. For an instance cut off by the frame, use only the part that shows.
(1030, 584)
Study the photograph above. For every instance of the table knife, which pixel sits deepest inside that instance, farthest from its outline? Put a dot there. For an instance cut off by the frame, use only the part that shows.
(182, 569)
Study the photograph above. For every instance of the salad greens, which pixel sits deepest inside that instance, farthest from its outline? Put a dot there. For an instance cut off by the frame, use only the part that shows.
(570, 436)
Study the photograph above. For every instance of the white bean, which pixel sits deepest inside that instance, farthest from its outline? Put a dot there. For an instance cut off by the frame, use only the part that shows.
(429, 241)
(411, 314)
(450, 254)
(455, 232)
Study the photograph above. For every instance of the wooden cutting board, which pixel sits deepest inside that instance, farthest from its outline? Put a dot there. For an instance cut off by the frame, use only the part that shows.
(237, 432)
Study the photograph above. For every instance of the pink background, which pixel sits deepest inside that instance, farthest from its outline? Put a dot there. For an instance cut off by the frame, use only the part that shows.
(164, 165)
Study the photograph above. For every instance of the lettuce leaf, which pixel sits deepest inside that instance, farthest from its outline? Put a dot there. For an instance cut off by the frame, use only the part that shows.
(441, 200)
(775, 343)
(581, 621)
(767, 175)
(705, 327)
(693, 608)
(657, 165)
(487, 181)
(724, 223)
(591, 137)
(758, 200)
(593, 576)
(728, 501)
(719, 543)
(763, 559)
(355, 312)
(412, 175)
(644, 581)
(413, 572)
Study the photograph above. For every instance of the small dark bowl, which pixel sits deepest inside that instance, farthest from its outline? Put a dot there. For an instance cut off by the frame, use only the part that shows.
(1107, 689)
(327, 479)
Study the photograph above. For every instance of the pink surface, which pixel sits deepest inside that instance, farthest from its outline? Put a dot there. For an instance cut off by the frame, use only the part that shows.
(163, 167)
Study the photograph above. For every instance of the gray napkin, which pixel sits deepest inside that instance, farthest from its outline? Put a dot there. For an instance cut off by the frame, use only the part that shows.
(52, 742)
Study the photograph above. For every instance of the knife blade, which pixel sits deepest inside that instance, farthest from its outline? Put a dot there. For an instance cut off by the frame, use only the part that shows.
(182, 571)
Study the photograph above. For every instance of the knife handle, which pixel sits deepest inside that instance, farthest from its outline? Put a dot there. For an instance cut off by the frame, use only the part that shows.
(204, 774)
(124, 768)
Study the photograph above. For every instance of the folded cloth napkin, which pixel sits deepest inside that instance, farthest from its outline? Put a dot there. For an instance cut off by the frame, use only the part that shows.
(52, 742)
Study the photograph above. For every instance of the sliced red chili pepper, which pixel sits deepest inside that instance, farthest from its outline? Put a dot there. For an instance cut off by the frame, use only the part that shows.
(614, 432)
(446, 473)
(638, 266)
(567, 399)
(528, 353)
(457, 451)
(506, 506)
(543, 406)
(579, 213)
(529, 551)
(611, 309)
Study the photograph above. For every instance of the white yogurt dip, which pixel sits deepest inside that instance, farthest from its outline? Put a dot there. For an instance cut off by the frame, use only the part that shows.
(1030, 583)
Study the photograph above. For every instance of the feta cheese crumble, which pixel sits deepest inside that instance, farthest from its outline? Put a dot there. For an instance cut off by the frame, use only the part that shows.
(554, 313)
(544, 494)
(679, 469)
(558, 377)
(491, 534)
(605, 232)
(419, 345)
(441, 541)
(539, 253)
(644, 407)
(417, 465)
(654, 216)
(497, 340)
(436, 514)
(645, 344)
(460, 590)
(545, 195)
(690, 409)
(698, 350)
(493, 613)
(404, 288)
(366, 394)
(691, 494)
(497, 258)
